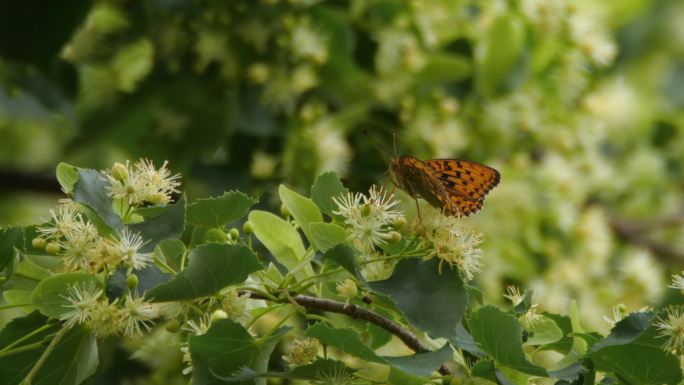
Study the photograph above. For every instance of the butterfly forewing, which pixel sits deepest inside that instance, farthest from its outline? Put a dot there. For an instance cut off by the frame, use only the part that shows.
(456, 186)
(470, 179)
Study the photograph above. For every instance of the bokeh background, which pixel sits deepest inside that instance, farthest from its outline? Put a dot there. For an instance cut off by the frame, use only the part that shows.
(579, 104)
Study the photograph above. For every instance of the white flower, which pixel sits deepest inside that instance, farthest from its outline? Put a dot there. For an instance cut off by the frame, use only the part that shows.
(513, 294)
(643, 275)
(672, 328)
(82, 300)
(619, 312)
(127, 249)
(67, 221)
(137, 314)
(678, 281)
(377, 271)
(451, 244)
(127, 185)
(199, 326)
(369, 217)
(309, 43)
(302, 351)
(347, 289)
(141, 183)
(80, 248)
(105, 319)
(160, 183)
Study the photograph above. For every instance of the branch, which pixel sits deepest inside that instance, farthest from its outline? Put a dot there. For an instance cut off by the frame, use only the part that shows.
(636, 233)
(358, 312)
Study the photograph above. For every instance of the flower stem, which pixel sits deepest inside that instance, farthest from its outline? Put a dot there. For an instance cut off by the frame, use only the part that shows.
(11, 306)
(4, 353)
(41, 361)
(26, 337)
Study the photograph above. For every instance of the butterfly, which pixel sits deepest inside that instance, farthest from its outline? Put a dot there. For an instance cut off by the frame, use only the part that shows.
(456, 186)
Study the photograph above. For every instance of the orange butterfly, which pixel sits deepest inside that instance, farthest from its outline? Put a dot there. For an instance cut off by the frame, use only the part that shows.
(456, 186)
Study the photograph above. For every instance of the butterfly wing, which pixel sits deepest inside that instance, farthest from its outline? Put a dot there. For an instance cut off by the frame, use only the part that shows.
(471, 180)
(418, 179)
(465, 182)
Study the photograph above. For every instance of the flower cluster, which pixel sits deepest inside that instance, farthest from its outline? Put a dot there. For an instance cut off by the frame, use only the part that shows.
(141, 183)
(88, 306)
(447, 240)
(303, 351)
(80, 246)
(370, 218)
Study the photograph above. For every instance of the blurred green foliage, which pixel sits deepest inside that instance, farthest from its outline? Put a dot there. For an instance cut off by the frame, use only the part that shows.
(577, 103)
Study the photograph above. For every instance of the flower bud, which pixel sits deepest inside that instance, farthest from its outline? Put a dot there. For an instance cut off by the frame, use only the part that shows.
(52, 248)
(38, 243)
(347, 289)
(284, 211)
(172, 326)
(248, 228)
(393, 237)
(215, 235)
(157, 198)
(234, 233)
(218, 315)
(399, 223)
(132, 281)
(120, 171)
(366, 210)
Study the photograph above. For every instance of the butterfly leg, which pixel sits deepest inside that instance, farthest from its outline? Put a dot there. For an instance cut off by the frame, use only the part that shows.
(420, 219)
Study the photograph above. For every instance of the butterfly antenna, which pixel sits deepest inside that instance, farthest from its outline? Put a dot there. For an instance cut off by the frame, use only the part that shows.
(394, 141)
(365, 131)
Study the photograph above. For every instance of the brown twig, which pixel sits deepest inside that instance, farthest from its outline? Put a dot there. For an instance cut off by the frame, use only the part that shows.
(637, 234)
(358, 312)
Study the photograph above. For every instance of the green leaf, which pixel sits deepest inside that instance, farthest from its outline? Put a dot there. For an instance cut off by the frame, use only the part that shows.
(67, 176)
(544, 331)
(327, 235)
(48, 296)
(74, 359)
(445, 67)
(168, 225)
(564, 344)
(28, 269)
(415, 280)
(279, 237)
(171, 251)
(525, 304)
(304, 211)
(326, 187)
(344, 256)
(463, 340)
(18, 297)
(398, 377)
(226, 348)
(90, 190)
(219, 211)
(10, 238)
(149, 277)
(349, 341)
(422, 364)
(627, 330)
(211, 267)
(345, 339)
(638, 364)
(14, 368)
(501, 50)
(500, 336)
(322, 367)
